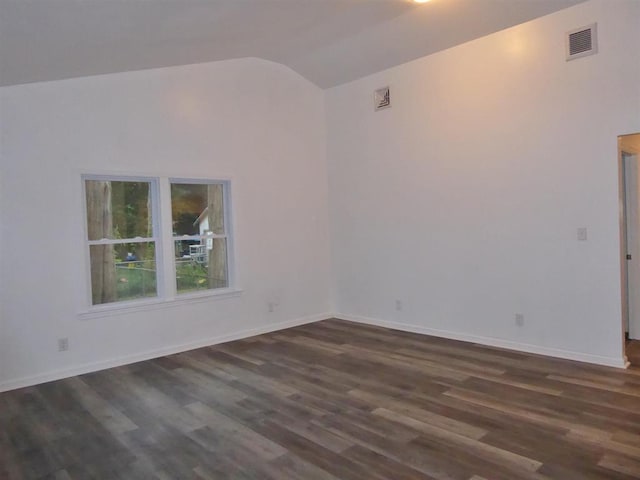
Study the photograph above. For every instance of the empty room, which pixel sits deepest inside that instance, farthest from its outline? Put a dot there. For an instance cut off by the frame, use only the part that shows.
(320, 239)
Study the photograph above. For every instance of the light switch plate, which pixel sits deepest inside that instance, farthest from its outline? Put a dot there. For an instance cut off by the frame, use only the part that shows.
(582, 234)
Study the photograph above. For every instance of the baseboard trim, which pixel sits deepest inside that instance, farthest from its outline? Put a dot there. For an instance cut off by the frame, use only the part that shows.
(150, 354)
(489, 341)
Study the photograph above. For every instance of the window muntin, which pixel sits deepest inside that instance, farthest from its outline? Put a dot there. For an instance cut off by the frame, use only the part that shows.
(199, 219)
(121, 236)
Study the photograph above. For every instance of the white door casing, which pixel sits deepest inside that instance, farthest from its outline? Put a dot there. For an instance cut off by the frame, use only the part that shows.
(632, 207)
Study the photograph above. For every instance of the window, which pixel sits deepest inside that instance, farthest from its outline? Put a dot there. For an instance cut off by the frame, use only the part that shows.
(122, 239)
(125, 237)
(199, 235)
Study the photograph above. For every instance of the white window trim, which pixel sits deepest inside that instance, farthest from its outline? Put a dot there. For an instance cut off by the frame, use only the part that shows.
(228, 231)
(166, 288)
(143, 305)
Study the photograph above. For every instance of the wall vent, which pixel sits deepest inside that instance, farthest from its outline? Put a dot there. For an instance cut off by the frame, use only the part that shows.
(381, 99)
(582, 41)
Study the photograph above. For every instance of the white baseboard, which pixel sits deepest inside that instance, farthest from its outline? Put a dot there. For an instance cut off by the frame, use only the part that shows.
(490, 341)
(148, 355)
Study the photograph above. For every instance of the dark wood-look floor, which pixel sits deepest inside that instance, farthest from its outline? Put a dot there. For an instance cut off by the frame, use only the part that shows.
(330, 400)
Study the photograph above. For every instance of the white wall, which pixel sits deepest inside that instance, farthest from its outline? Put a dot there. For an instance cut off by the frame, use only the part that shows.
(463, 199)
(254, 121)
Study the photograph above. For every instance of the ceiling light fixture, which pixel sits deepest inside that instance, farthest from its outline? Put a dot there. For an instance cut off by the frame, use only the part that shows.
(420, 1)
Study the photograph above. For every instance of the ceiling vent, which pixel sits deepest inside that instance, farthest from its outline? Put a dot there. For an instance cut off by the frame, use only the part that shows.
(381, 99)
(582, 42)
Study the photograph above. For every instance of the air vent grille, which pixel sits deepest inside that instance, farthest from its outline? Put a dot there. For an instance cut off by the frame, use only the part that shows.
(582, 42)
(381, 98)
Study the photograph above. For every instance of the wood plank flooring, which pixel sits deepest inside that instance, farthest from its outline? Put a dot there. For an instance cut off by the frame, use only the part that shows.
(330, 400)
(632, 350)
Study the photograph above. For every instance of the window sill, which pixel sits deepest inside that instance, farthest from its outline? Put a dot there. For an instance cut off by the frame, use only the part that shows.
(157, 303)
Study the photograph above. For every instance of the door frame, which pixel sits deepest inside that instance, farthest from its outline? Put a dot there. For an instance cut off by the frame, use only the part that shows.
(624, 279)
(622, 217)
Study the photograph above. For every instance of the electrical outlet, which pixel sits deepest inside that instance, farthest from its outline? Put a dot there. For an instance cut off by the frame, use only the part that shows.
(519, 319)
(399, 305)
(271, 306)
(63, 344)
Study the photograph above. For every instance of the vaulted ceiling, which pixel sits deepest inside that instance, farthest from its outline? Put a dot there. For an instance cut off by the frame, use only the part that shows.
(327, 41)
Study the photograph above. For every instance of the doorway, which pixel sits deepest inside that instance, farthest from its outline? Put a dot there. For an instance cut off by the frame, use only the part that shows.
(628, 161)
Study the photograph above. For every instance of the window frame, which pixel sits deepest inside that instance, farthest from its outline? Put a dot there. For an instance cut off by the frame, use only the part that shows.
(166, 284)
(226, 217)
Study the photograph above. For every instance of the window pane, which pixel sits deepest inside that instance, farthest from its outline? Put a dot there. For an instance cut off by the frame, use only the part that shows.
(197, 209)
(122, 272)
(118, 209)
(201, 264)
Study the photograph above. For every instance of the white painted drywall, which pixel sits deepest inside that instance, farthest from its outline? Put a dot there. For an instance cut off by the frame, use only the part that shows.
(254, 121)
(463, 199)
